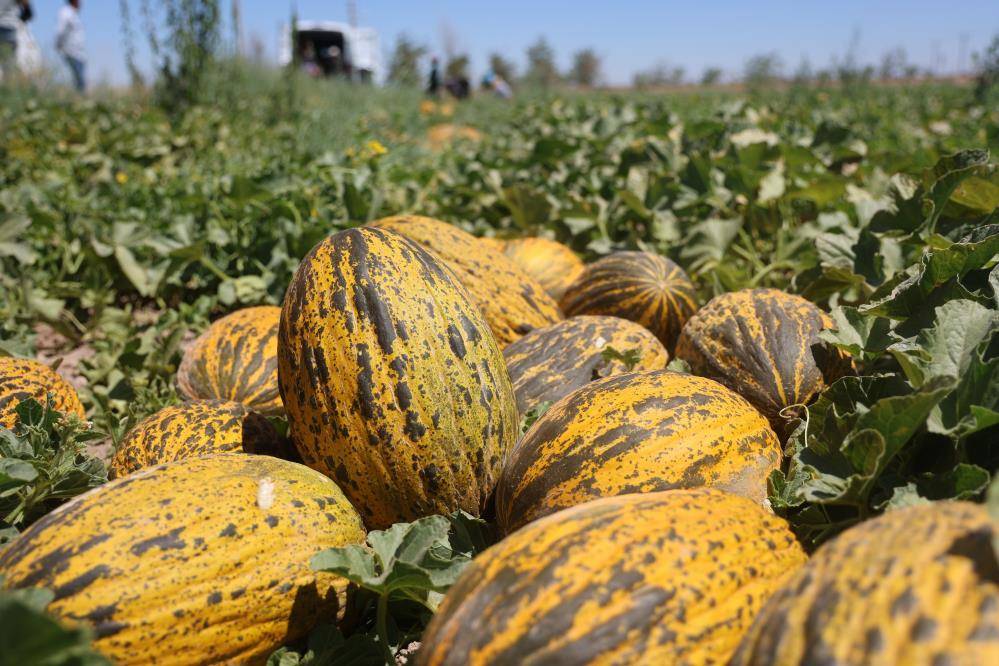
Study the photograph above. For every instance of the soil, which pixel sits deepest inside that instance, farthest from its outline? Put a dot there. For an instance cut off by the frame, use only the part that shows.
(51, 347)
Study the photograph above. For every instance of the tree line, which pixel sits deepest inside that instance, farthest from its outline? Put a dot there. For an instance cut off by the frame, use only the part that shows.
(407, 66)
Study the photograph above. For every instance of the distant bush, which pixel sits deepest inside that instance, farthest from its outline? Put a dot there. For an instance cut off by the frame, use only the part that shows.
(662, 74)
(987, 82)
(763, 69)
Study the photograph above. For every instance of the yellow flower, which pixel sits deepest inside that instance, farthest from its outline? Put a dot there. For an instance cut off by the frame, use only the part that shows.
(121, 177)
(376, 147)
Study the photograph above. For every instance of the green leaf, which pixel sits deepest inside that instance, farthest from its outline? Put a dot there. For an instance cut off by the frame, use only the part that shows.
(946, 349)
(858, 333)
(905, 496)
(708, 241)
(854, 429)
(979, 194)
(678, 365)
(949, 173)
(823, 190)
(530, 208)
(994, 284)
(142, 278)
(408, 558)
(772, 185)
(29, 636)
(44, 462)
(905, 212)
(629, 357)
(11, 232)
(15, 473)
(909, 293)
(963, 481)
(469, 535)
(533, 414)
(327, 646)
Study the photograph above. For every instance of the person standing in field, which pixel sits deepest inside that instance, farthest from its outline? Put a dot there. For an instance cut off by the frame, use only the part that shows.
(434, 85)
(12, 13)
(70, 42)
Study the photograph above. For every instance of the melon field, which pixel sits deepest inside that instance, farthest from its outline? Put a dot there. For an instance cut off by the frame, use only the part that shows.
(698, 378)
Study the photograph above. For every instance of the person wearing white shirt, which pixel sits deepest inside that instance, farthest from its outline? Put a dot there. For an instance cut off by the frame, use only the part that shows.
(12, 12)
(70, 41)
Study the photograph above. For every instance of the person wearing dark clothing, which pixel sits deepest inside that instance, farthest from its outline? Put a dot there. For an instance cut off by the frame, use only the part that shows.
(434, 85)
(460, 87)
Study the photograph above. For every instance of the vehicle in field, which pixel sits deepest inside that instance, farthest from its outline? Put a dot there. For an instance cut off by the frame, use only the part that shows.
(330, 48)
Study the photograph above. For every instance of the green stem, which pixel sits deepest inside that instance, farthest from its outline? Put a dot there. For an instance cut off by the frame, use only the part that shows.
(382, 623)
(215, 270)
(766, 270)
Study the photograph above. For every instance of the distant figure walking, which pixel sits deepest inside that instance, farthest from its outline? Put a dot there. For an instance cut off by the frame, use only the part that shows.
(70, 42)
(12, 14)
(496, 83)
(434, 85)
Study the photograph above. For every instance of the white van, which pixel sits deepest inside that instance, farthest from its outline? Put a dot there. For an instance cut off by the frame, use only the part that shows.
(334, 49)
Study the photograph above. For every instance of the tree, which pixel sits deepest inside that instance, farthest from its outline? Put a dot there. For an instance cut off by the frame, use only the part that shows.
(404, 65)
(711, 76)
(456, 67)
(662, 74)
(803, 75)
(585, 70)
(893, 64)
(987, 81)
(502, 67)
(541, 69)
(184, 41)
(762, 69)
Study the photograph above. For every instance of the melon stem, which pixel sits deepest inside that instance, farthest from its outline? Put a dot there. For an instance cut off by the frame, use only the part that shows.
(382, 625)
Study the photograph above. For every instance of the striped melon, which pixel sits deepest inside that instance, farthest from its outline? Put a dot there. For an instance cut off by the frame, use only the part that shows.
(551, 362)
(511, 301)
(674, 577)
(549, 262)
(21, 379)
(638, 286)
(392, 382)
(200, 561)
(758, 342)
(918, 585)
(195, 429)
(236, 360)
(638, 432)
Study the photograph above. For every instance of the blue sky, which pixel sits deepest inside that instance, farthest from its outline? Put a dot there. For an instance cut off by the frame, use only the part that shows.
(629, 34)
